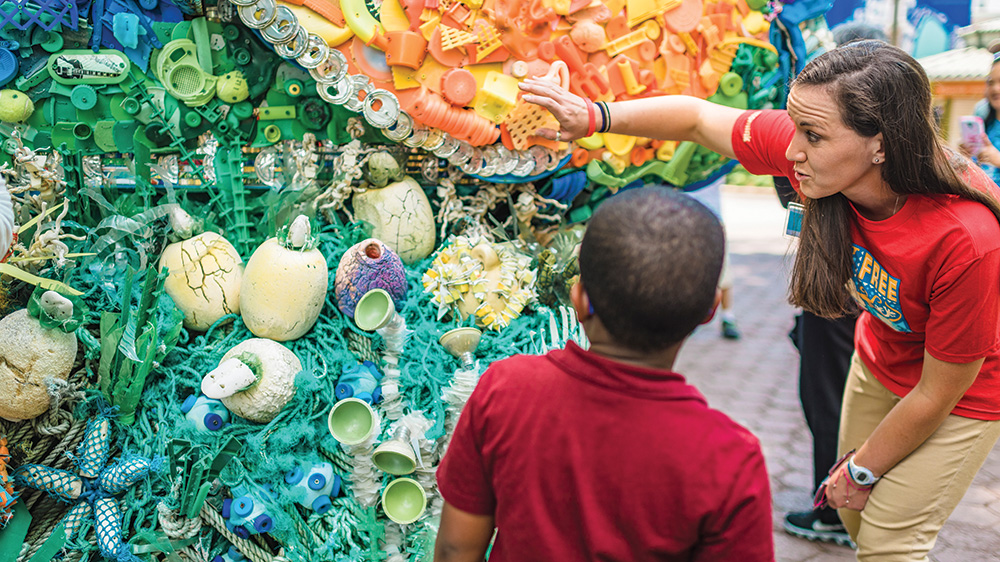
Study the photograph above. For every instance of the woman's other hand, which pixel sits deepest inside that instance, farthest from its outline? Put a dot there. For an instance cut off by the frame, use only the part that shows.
(842, 492)
(568, 108)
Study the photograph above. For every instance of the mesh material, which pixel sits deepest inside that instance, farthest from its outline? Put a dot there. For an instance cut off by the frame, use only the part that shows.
(108, 526)
(76, 517)
(44, 13)
(92, 452)
(60, 484)
(123, 474)
(186, 80)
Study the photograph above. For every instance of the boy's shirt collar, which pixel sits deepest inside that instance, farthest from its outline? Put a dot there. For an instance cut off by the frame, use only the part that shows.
(634, 380)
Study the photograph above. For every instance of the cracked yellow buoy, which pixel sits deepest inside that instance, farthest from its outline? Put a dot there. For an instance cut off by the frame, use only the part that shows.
(204, 274)
(402, 217)
(284, 284)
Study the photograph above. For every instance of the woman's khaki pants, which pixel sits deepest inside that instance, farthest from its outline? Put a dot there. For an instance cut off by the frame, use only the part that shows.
(912, 501)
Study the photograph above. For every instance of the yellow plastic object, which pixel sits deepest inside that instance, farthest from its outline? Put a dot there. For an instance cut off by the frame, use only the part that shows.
(360, 20)
(405, 78)
(315, 23)
(666, 151)
(593, 142)
(392, 16)
(641, 10)
(755, 23)
(15, 107)
(489, 41)
(232, 87)
(748, 41)
(560, 7)
(427, 28)
(632, 85)
(614, 6)
(619, 145)
(649, 30)
(178, 70)
(481, 71)
(497, 97)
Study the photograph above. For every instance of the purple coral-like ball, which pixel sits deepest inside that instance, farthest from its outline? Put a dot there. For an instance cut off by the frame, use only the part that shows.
(368, 265)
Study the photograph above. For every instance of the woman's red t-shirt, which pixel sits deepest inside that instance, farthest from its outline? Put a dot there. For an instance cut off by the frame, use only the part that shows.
(928, 277)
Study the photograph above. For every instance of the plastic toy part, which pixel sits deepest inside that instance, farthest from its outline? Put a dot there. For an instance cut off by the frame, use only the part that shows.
(106, 66)
(207, 414)
(458, 86)
(361, 382)
(178, 69)
(231, 555)
(246, 514)
(317, 483)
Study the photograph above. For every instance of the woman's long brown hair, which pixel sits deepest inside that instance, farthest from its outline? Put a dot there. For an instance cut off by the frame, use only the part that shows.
(879, 89)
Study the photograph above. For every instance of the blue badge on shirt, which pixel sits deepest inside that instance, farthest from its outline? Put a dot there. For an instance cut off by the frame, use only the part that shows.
(877, 291)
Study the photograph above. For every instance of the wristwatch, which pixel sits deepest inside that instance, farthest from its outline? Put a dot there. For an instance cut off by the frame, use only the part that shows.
(861, 475)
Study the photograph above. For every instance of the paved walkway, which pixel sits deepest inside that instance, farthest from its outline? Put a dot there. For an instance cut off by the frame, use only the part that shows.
(754, 380)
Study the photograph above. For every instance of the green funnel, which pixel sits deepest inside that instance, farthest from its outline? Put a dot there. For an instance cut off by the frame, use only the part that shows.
(374, 310)
(352, 421)
(404, 500)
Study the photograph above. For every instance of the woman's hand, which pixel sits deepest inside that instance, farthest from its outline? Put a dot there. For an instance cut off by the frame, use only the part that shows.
(989, 153)
(841, 491)
(568, 108)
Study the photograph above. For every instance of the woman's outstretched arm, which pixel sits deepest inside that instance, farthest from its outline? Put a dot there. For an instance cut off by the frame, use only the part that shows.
(681, 118)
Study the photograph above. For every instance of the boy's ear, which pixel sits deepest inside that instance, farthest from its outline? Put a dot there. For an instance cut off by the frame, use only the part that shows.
(715, 306)
(581, 302)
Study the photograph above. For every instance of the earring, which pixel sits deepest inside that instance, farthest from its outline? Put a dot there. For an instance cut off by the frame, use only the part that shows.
(876, 160)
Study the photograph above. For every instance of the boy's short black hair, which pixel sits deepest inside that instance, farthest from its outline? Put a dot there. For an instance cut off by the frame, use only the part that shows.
(650, 262)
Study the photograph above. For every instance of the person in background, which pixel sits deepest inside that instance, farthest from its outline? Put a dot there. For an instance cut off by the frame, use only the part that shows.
(921, 408)
(607, 453)
(825, 347)
(988, 156)
(711, 197)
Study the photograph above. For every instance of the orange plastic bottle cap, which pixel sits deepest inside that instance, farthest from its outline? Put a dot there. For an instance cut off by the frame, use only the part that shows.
(458, 86)
(683, 18)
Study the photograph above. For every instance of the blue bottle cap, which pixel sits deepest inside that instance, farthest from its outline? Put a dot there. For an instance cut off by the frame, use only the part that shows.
(189, 403)
(262, 523)
(227, 505)
(343, 391)
(335, 489)
(213, 422)
(377, 395)
(243, 506)
(241, 532)
(316, 481)
(321, 504)
(294, 476)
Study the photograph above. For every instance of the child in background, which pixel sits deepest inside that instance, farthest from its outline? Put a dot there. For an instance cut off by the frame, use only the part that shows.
(606, 453)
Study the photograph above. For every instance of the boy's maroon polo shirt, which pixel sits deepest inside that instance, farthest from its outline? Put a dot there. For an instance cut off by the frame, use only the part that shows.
(582, 458)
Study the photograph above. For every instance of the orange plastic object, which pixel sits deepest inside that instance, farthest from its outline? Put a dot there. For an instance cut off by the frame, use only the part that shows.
(463, 124)
(499, 54)
(640, 155)
(448, 57)
(547, 51)
(488, 40)
(402, 48)
(452, 37)
(458, 86)
(684, 18)
(329, 10)
(588, 36)
(647, 51)
(585, 78)
(580, 158)
(526, 118)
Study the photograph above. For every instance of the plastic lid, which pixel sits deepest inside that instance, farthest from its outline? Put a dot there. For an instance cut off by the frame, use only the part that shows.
(294, 475)
(272, 133)
(242, 110)
(243, 506)
(458, 86)
(192, 119)
(53, 42)
(730, 84)
(149, 4)
(343, 390)
(213, 422)
(316, 481)
(8, 66)
(263, 523)
(322, 504)
(188, 403)
(131, 106)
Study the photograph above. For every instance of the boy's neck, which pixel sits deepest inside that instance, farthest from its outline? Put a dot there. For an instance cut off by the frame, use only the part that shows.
(662, 360)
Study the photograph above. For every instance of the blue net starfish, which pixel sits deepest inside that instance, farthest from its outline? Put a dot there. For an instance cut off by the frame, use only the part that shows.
(93, 491)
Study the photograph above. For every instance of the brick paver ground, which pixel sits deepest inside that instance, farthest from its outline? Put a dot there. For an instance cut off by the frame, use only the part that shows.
(754, 380)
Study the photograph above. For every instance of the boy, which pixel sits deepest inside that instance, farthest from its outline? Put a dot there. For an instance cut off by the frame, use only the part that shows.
(606, 454)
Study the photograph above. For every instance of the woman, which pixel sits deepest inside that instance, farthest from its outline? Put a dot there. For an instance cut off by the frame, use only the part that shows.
(911, 232)
(987, 155)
